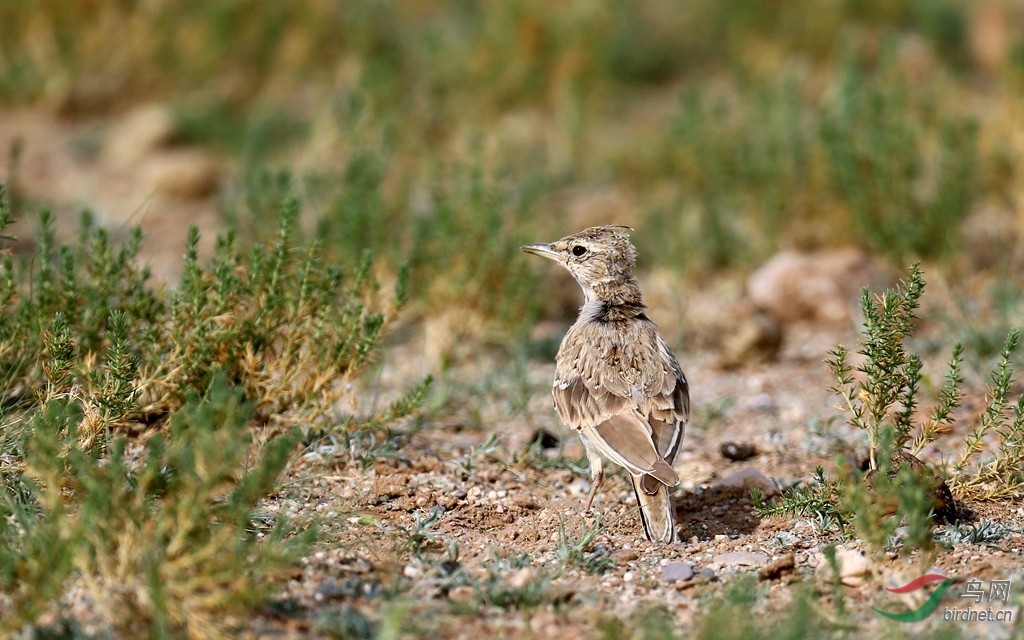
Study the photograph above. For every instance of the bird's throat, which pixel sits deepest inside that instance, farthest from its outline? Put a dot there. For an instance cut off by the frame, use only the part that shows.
(613, 301)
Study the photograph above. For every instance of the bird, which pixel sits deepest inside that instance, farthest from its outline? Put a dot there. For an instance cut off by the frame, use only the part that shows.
(617, 381)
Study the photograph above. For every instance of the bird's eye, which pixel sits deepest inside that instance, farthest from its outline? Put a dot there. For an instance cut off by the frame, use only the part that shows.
(579, 250)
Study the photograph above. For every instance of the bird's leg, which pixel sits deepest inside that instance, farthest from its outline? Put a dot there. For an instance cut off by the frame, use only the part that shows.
(596, 477)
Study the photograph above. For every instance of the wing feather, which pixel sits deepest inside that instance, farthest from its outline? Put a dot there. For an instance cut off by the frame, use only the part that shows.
(636, 420)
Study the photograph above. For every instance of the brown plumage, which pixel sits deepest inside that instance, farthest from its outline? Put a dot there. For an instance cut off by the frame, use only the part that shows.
(616, 380)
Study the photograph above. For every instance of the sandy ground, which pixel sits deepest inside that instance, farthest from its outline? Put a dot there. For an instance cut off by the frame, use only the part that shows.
(493, 505)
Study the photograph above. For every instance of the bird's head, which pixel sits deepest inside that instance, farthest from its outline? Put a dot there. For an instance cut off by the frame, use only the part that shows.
(600, 258)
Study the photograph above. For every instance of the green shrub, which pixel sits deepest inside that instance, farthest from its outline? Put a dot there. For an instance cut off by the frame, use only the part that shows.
(882, 401)
(166, 536)
(142, 428)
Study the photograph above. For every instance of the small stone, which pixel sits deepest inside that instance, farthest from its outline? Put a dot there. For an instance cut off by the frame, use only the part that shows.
(622, 556)
(738, 558)
(521, 578)
(446, 501)
(778, 567)
(629, 576)
(821, 286)
(756, 339)
(676, 572)
(184, 173)
(737, 451)
(524, 502)
(853, 566)
(946, 508)
(411, 572)
(749, 478)
(561, 593)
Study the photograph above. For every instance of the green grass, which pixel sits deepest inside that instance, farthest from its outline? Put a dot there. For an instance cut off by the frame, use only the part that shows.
(167, 532)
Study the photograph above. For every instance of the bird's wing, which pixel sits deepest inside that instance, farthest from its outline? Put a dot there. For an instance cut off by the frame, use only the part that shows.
(593, 398)
(668, 409)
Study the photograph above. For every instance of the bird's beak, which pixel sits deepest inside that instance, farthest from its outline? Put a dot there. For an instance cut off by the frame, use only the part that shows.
(544, 250)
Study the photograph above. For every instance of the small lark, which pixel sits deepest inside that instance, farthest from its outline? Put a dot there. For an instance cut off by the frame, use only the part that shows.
(616, 379)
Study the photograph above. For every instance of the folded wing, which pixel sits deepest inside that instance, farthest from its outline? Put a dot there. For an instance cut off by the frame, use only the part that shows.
(637, 431)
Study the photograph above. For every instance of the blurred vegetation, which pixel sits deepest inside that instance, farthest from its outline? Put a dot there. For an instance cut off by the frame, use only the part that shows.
(445, 133)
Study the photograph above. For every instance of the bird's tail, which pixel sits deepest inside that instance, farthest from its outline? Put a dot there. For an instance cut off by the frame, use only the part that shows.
(656, 511)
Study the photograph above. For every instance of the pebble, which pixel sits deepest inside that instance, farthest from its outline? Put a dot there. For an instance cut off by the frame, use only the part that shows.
(778, 567)
(521, 578)
(185, 173)
(736, 558)
(749, 478)
(754, 339)
(853, 566)
(676, 572)
(818, 286)
(738, 451)
(623, 556)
